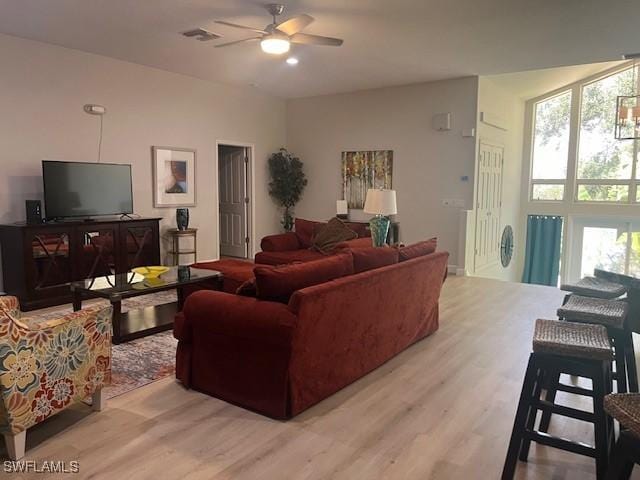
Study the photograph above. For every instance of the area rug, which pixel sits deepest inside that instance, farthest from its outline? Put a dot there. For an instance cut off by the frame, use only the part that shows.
(141, 362)
(136, 363)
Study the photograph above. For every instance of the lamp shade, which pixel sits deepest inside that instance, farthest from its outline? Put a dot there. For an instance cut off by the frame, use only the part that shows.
(381, 202)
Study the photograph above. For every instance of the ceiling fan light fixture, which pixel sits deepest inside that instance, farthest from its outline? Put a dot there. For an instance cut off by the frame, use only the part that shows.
(275, 44)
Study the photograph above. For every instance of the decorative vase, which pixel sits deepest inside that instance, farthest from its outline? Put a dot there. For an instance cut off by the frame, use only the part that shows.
(184, 273)
(379, 226)
(287, 220)
(182, 218)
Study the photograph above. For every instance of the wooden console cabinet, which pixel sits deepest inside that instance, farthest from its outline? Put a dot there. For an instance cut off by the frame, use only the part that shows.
(39, 261)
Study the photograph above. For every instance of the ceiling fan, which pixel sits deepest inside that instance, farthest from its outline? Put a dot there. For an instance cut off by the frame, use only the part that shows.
(276, 38)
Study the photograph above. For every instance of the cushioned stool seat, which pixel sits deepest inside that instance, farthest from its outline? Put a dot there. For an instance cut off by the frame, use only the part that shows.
(571, 339)
(625, 407)
(610, 313)
(595, 287)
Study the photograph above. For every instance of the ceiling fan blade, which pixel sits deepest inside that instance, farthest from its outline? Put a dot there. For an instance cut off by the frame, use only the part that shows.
(237, 41)
(306, 39)
(295, 24)
(243, 27)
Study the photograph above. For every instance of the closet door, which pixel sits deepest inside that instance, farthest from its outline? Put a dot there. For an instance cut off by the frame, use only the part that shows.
(488, 204)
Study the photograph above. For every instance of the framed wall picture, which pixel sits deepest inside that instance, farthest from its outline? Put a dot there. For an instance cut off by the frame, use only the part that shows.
(362, 170)
(174, 177)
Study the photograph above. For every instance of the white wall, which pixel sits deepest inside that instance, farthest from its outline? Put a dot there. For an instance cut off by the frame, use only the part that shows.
(510, 110)
(44, 87)
(428, 165)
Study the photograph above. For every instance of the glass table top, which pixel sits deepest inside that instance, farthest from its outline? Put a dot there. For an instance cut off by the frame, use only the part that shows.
(131, 283)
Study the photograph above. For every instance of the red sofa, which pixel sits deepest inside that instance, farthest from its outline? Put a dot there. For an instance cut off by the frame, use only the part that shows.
(279, 359)
(295, 246)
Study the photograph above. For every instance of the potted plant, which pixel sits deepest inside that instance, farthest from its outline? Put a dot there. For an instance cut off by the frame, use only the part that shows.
(287, 183)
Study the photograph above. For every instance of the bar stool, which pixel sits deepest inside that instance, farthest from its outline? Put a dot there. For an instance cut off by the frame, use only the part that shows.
(595, 287)
(574, 349)
(625, 408)
(612, 314)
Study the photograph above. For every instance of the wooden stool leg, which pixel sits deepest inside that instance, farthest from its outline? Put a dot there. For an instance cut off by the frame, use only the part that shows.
(619, 341)
(600, 424)
(519, 422)
(550, 396)
(533, 413)
(621, 464)
(632, 369)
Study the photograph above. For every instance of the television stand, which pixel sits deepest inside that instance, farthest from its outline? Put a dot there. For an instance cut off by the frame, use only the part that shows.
(40, 261)
(126, 216)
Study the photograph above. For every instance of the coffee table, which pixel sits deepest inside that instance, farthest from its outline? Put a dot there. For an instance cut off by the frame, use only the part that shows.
(145, 321)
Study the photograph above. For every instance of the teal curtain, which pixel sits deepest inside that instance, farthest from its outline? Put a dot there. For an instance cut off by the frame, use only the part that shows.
(542, 260)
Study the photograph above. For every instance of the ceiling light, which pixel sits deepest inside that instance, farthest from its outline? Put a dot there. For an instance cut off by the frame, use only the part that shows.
(292, 61)
(275, 44)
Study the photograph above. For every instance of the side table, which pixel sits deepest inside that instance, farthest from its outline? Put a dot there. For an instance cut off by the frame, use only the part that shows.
(176, 250)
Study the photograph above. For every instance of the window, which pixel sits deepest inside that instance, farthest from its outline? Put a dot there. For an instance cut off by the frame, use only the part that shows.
(609, 244)
(574, 155)
(551, 147)
(604, 170)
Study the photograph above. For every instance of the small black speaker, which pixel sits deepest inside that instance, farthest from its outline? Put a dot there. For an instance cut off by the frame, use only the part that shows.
(34, 211)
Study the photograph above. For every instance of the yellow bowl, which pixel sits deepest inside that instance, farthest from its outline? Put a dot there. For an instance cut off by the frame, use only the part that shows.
(150, 272)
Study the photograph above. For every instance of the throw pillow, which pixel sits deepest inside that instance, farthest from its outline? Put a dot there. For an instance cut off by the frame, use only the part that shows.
(361, 228)
(418, 249)
(328, 236)
(279, 283)
(373, 257)
(247, 289)
(304, 231)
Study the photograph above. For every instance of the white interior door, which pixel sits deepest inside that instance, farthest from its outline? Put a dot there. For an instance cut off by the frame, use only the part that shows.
(488, 204)
(232, 177)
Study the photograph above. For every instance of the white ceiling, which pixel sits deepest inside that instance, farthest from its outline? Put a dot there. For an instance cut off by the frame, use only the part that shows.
(531, 84)
(386, 42)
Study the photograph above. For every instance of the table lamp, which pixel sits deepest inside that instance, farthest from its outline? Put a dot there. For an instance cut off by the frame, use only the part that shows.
(380, 202)
(342, 209)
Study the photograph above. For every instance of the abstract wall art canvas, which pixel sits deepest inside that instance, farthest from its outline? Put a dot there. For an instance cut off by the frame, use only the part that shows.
(363, 170)
(174, 172)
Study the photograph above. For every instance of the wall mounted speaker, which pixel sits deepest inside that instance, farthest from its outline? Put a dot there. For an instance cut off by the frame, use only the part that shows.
(34, 211)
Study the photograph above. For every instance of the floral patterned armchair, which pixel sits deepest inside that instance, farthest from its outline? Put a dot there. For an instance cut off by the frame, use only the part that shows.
(46, 366)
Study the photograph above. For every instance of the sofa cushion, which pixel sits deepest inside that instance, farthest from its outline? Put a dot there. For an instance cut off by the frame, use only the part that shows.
(280, 242)
(364, 242)
(279, 283)
(327, 236)
(418, 249)
(362, 229)
(373, 257)
(304, 231)
(284, 258)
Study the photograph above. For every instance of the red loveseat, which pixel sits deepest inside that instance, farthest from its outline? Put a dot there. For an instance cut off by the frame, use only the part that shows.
(279, 359)
(295, 246)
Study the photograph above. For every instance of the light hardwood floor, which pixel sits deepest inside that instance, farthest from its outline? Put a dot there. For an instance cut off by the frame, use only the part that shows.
(443, 409)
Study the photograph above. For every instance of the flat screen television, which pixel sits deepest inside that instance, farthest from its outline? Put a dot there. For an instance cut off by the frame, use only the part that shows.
(79, 189)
